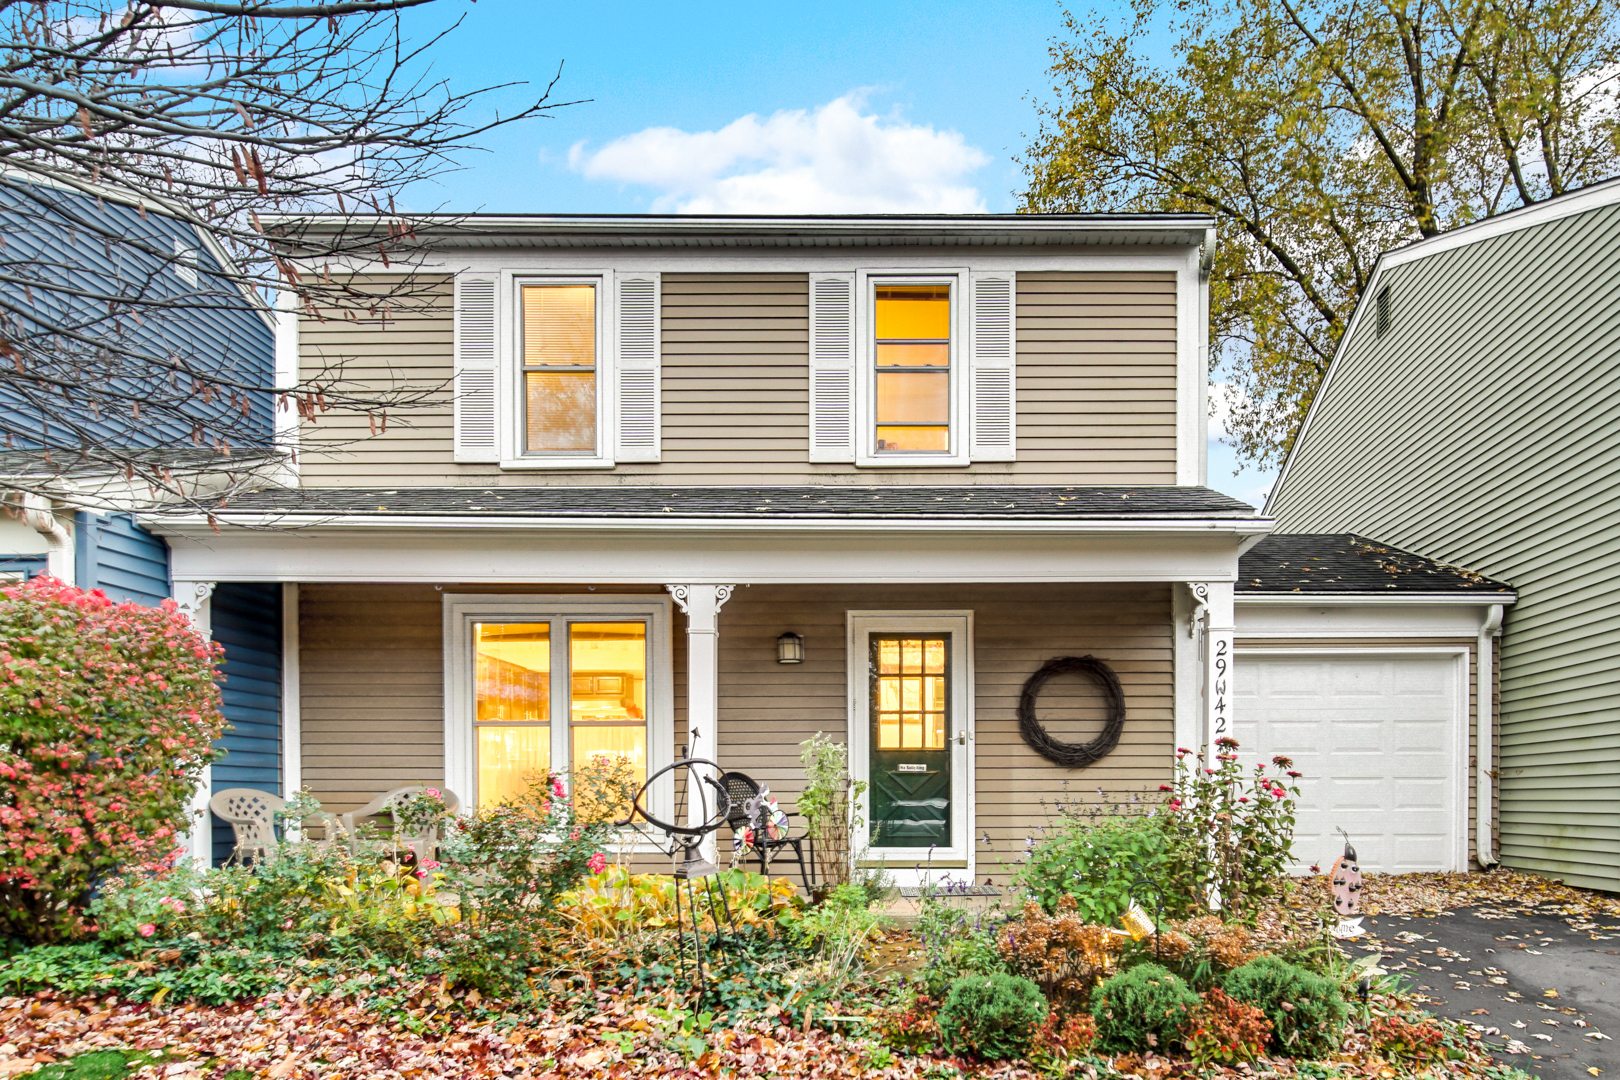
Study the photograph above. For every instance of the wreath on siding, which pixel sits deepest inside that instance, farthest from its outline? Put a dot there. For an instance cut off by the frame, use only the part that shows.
(1072, 755)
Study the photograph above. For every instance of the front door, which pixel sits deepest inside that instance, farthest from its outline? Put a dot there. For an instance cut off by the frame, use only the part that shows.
(910, 730)
(911, 736)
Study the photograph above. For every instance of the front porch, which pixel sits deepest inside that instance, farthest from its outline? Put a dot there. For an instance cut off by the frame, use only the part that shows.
(445, 651)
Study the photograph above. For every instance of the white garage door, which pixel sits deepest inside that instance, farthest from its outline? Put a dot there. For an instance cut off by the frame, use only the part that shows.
(1376, 737)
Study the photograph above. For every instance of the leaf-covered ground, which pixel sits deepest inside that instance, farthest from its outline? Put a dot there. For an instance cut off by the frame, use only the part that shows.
(301, 1036)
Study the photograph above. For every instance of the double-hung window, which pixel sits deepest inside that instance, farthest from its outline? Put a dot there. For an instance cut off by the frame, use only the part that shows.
(911, 360)
(560, 392)
(557, 370)
(912, 368)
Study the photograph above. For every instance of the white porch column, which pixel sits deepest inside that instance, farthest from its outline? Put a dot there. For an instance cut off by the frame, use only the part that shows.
(194, 599)
(1220, 627)
(701, 604)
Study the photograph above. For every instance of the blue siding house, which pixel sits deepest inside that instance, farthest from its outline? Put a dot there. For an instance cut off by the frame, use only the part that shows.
(64, 252)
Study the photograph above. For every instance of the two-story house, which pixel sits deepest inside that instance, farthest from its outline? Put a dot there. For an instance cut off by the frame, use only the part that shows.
(717, 484)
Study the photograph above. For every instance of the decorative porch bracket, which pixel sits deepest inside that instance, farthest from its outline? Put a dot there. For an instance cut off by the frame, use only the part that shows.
(195, 601)
(701, 605)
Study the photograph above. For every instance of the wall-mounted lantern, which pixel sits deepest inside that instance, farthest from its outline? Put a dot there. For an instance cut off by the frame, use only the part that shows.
(790, 649)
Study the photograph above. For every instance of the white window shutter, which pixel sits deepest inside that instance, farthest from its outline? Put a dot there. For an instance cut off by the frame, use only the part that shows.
(832, 367)
(476, 434)
(992, 369)
(636, 372)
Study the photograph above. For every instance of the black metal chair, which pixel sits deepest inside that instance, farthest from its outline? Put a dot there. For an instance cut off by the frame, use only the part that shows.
(744, 792)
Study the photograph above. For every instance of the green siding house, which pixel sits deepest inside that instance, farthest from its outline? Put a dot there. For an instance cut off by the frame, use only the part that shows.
(1470, 416)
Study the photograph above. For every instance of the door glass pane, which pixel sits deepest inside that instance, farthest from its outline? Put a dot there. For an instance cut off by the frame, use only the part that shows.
(512, 706)
(910, 693)
(607, 699)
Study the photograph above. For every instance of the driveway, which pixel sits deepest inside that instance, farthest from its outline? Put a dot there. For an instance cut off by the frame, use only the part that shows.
(1545, 987)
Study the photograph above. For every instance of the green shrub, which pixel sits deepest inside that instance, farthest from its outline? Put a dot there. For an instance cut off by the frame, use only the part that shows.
(1306, 1010)
(108, 714)
(992, 1016)
(1144, 1008)
(1093, 856)
(954, 944)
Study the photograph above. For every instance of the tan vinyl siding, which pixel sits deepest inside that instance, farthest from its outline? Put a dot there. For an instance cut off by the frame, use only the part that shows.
(1096, 390)
(373, 697)
(1475, 432)
(767, 708)
(1470, 780)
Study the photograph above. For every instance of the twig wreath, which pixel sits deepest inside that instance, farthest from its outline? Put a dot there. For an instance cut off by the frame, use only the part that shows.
(1072, 755)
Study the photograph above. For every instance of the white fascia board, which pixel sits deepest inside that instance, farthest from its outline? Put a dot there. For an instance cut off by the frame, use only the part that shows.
(1541, 213)
(653, 228)
(307, 525)
(1263, 621)
(1320, 599)
(655, 557)
(1102, 259)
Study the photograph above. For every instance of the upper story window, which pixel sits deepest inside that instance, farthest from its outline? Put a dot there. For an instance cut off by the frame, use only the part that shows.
(559, 369)
(556, 369)
(912, 368)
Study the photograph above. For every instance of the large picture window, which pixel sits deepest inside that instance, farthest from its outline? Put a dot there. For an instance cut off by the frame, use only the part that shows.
(549, 687)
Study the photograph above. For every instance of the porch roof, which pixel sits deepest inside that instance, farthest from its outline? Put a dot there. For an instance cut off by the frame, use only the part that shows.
(961, 501)
(1347, 564)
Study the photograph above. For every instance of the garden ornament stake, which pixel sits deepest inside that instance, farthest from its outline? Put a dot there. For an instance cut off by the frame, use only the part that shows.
(683, 844)
(1345, 884)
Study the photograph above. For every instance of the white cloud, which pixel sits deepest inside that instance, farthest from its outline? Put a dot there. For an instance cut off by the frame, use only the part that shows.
(839, 158)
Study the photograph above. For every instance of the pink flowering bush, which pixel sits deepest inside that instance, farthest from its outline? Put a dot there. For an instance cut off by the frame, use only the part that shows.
(1229, 828)
(519, 856)
(108, 713)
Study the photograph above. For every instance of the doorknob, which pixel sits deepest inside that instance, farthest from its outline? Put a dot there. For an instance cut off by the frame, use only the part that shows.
(961, 738)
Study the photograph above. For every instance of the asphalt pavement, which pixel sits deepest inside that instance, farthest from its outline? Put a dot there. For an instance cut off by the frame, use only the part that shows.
(1545, 988)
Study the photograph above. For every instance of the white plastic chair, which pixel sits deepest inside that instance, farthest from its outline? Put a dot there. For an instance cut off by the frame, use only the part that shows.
(252, 815)
(425, 841)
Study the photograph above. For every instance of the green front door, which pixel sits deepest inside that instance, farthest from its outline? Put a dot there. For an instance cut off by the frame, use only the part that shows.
(910, 740)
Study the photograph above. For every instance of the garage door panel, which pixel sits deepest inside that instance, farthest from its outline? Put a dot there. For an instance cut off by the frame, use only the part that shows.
(1374, 736)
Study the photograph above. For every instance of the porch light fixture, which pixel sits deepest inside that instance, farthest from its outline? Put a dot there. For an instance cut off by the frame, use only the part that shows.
(790, 649)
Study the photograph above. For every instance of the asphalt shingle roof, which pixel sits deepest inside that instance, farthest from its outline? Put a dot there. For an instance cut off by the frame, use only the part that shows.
(819, 501)
(1346, 563)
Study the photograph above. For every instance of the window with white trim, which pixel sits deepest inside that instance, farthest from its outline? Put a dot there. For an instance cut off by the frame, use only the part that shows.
(547, 683)
(557, 370)
(913, 368)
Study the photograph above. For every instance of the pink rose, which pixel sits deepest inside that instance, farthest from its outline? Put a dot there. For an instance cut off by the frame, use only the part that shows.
(597, 863)
(432, 793)
(146, 929)
(1164, 787)
(574, 835)
(430, 864)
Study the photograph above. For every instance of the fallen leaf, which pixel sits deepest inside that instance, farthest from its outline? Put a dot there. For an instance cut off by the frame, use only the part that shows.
(1549, 993)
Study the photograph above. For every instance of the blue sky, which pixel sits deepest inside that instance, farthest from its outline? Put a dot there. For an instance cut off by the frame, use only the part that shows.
(749, 108)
